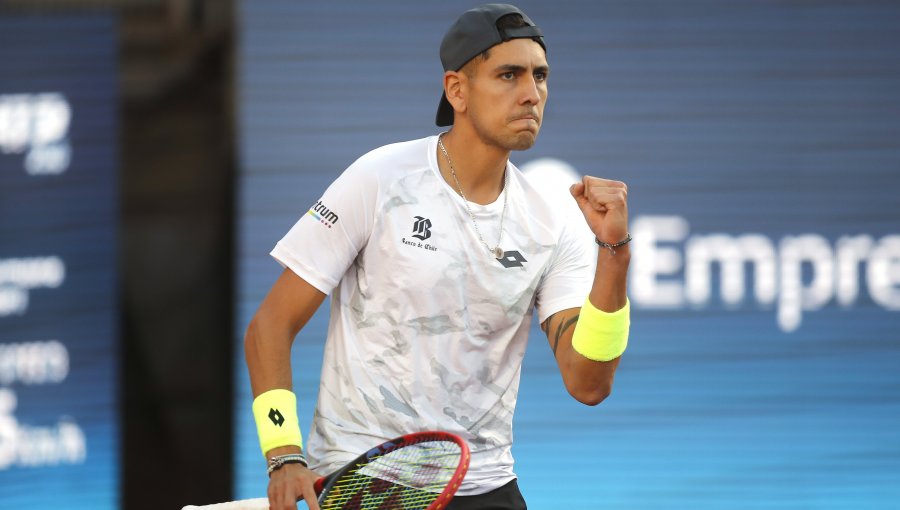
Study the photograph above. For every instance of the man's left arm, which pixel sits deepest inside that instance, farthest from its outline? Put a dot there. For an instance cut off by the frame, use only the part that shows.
(588, 374)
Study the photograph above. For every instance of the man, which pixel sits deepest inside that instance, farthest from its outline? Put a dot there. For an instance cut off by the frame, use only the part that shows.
(438, 251)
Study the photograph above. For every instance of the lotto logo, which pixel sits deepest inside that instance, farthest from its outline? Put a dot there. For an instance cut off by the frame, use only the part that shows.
(276, 417)
(511, 259)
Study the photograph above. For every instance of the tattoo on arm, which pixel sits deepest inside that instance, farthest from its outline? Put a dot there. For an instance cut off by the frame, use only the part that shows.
(561, 329)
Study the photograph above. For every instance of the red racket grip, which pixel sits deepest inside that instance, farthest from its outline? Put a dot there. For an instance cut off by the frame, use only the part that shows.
(319, 485)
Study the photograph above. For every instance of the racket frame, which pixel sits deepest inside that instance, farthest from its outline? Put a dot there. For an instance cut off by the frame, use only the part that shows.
(324, 485)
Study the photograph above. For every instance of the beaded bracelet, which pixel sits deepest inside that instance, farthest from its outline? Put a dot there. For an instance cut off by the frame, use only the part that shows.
(278, 461)
(612, 247)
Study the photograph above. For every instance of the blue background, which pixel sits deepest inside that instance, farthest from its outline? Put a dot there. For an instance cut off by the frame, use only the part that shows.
(769, 117)
(71, 215)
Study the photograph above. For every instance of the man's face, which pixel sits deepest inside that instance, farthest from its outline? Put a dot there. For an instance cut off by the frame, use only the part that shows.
(507, 93)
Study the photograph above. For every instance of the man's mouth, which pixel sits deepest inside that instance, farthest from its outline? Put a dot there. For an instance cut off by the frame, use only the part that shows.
(527, 116)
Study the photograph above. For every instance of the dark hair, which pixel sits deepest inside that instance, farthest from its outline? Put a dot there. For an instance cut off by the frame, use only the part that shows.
(512, 20)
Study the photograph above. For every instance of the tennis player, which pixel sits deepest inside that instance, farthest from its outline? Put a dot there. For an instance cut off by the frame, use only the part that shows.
(436, 252)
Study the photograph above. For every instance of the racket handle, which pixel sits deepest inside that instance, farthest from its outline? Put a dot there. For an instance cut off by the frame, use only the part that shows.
(320, 484)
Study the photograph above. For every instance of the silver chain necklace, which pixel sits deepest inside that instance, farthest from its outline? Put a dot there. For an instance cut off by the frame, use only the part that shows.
(496, 251)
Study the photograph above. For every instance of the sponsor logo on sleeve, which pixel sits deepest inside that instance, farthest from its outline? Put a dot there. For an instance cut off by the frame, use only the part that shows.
(324, 215)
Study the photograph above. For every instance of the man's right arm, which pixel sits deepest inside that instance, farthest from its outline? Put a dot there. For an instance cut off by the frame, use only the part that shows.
(267, 345)
(267, 348)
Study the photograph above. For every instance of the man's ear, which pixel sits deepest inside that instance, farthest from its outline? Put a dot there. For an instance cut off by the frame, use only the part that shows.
(455, 83)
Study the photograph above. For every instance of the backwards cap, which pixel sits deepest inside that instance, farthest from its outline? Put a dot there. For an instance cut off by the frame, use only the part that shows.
(473, 33)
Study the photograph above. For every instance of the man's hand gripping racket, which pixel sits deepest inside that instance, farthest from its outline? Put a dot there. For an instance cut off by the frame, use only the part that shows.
(419, 471)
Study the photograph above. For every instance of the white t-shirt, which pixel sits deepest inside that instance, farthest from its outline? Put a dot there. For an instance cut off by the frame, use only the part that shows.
(427, 328)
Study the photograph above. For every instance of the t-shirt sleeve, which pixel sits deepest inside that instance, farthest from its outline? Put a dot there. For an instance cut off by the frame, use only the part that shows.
(568, 278)
(323, 243)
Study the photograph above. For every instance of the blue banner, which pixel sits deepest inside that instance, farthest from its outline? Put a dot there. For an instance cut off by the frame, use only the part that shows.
(58, 206)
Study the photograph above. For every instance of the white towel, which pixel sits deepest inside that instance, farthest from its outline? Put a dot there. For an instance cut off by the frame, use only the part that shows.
(241, 504)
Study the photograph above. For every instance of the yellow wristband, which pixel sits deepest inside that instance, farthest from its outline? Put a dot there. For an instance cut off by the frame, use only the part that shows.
(275, 412)
(601, 336)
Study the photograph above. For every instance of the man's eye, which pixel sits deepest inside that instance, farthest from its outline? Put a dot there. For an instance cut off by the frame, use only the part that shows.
(540, 76)
(507, 76)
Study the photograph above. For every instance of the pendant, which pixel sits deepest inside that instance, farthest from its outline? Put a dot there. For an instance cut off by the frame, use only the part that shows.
(498, 252)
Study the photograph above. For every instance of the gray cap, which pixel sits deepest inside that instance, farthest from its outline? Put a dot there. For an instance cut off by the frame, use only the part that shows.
(473, 33)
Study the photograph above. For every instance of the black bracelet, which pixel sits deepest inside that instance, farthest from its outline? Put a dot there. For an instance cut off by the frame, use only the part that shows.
(277, 461)
(612, 247)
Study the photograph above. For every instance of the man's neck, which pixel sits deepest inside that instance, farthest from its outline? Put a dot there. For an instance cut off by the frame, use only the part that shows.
(478, 166)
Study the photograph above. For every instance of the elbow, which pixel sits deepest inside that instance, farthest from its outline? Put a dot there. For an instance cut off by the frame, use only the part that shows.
(591, 395)
(250, 338)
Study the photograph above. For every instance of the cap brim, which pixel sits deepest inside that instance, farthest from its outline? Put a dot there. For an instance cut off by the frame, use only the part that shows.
(444, 115)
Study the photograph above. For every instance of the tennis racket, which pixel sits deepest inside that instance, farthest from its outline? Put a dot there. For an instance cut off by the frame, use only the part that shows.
(419, 471)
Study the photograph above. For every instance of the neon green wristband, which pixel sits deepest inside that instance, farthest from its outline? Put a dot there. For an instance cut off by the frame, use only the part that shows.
(275, 412)
(599, 335)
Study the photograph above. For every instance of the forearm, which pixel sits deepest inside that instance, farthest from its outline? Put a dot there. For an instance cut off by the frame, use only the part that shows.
(587, 380)
(267, 350)
(268, 362)
(267, 344)
(608, 292)
(268, 354)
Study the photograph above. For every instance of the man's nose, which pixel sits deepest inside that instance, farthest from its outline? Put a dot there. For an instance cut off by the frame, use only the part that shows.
(531, 93)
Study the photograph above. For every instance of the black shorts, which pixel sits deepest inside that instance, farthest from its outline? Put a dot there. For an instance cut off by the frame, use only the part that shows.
(507, 497)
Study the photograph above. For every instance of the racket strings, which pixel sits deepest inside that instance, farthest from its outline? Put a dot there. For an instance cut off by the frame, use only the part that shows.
(408, 478)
